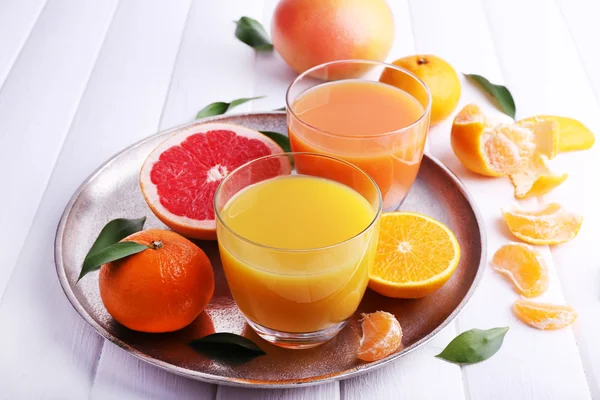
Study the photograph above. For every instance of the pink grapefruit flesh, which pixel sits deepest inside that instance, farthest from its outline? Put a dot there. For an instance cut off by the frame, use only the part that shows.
(179, 178)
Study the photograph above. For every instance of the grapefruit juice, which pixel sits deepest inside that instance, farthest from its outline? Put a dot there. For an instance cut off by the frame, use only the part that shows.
(375, 126)
(309, 242)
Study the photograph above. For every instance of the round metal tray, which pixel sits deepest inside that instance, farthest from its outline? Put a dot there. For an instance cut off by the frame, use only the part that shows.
(113, 191)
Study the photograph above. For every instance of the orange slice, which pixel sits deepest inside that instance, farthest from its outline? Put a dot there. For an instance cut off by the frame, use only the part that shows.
(550, 224)
(573, 134)
(536, 179)
(415, 256)
(382, 335)
(544, 316)
(487, 148)
(524, 267)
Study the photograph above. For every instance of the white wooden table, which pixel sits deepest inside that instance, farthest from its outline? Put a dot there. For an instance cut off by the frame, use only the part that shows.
(80, 80)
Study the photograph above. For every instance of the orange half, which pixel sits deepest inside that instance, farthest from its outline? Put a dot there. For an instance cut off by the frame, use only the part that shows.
(416, 255)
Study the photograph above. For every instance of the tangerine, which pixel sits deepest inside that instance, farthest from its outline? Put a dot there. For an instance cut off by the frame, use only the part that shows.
(382, 335)
(161, 289)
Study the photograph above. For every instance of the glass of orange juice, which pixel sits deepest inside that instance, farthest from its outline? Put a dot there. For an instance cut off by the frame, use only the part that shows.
(296, 247)
(376, 126)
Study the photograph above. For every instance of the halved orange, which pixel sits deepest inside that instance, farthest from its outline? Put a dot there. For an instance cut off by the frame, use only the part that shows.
(536, 179)
(573, 135)
(487, 148)
(543, 315)
(524, 267)
(416, 255)
(382, 335)
(550, 224)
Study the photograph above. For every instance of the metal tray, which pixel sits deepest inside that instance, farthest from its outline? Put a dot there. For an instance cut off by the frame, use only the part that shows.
(113, 191)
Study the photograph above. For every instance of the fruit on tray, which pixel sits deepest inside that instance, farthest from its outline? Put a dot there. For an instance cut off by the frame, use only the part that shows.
(439, 76)
(382, 335)
(179, 178)
(307, 33)
(536, 179)
(544, 316)
(416, 255)
(524, 267)
(488, 148)
(572, 134)
(550, 224)
(161, 289)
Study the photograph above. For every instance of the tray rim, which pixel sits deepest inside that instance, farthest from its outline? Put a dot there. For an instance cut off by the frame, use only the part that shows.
(240, 382)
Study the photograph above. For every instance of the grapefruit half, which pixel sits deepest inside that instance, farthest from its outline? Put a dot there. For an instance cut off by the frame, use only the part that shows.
(179, 178)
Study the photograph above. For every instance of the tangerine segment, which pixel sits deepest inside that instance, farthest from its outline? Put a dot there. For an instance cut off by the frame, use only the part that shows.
(573, 135)
(487, 148)
(522, 265)
(547, 135)
(544, 316)
(382, 335)
(416, 255)
(537, 179)
(550, 224)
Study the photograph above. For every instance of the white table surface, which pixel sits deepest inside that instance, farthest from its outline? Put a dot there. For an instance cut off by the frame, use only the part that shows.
(80, 80)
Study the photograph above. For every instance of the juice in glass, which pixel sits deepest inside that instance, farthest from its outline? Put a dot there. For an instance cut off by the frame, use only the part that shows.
(296, 263)
(376, 126)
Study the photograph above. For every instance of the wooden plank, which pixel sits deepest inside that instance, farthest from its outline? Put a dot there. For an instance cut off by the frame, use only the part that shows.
(38, 100)
(43, 340)
(580, 17)
(121, 376)
(17, 19)
(562, 87)
(541, 364)
(329, 391)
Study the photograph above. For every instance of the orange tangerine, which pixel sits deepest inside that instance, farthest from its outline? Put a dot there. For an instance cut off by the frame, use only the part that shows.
(489, 148)
(550, 224)
(544, 316)
(382, 335)
(522, 265)
(536, 179)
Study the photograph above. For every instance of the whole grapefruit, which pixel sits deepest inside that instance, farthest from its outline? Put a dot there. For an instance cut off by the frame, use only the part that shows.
(307, 33)
(161, 289)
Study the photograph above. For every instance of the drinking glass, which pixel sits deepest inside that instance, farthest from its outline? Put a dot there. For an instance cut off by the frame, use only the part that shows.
(374, 125)
(297, 296)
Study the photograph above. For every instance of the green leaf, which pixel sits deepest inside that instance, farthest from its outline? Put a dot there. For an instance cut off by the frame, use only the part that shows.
(112, 233)
(498, 92)
(474, 346)
(110, 253)
(282, 140)
(279, 109)
(227, 347)
(116, 230)
(251, 32)
(220, 107)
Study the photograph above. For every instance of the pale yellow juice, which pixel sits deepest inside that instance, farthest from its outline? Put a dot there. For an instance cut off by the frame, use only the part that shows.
(307, 287)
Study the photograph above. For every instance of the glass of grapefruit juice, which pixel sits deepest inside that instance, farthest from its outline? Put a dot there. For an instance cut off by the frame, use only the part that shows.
(376, 126)
(296, 247)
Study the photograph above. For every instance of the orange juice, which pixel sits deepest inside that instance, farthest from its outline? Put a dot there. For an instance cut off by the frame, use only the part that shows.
(373, 125)
(319, 280)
